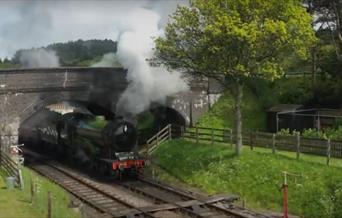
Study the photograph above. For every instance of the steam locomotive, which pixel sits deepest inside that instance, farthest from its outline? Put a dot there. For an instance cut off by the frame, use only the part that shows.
(107, 146)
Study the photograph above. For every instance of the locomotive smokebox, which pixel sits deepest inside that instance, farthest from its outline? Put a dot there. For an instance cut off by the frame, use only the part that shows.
(120, 135)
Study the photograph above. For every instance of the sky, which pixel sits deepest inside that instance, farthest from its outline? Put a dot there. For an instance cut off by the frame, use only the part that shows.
(35, 23)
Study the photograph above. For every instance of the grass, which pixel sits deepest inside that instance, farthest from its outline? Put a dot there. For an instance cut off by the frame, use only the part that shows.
(221, 115)
(16, 203)
(257, 176)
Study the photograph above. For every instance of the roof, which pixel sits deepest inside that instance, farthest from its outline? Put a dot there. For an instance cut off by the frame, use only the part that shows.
(285, 108)
(326, 112)
(68, 107)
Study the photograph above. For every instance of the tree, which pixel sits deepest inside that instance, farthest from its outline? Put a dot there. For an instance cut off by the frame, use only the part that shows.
(233, 40)
(329, 13)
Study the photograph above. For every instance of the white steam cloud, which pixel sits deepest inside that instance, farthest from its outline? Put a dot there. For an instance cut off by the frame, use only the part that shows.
(146, 84)
(108, 60)
(38, 58)
(30, 23)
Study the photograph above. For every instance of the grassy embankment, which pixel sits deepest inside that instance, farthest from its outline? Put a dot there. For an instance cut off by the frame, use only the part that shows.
(256, 176)
(221, 114)
(16, 203)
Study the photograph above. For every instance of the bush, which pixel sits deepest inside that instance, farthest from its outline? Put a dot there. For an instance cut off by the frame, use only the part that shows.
(287, 132)
(313, 133)
(334, 134)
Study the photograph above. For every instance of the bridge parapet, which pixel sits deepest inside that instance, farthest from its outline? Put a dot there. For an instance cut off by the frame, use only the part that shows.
(59, 79)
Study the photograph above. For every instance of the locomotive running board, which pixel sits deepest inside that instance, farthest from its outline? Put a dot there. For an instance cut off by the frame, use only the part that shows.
(191, 204)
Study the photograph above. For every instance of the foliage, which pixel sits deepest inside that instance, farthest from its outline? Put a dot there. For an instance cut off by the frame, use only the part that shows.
(293, 90)
(287, 132)
(256, 176)
(329, 16)
(221, 113)
(232, 40)
(328, 61)
(6, 63)
(332, 133)
(145, 120)
(284, 132)
(313, 133)
(249, 37)
(77, 53)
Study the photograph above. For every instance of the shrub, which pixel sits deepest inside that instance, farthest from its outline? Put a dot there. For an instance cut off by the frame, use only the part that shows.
(313, 133)
(335, 134)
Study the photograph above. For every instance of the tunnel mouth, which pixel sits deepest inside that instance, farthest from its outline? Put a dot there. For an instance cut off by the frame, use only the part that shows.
(153, 120)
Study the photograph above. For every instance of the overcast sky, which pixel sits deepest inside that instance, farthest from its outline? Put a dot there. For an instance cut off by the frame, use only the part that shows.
(35, 23)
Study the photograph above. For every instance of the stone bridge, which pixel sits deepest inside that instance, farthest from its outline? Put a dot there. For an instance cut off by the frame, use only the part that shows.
(23, 92)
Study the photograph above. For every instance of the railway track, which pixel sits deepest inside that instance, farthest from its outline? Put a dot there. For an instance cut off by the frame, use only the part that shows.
(162, 200)
(108, 204)
(219, 206)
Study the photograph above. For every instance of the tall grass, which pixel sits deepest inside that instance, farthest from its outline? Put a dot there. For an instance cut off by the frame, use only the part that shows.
(256, 177)
(60, 198)
(38, 203)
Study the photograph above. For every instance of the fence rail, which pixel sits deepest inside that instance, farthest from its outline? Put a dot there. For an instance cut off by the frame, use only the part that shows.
(10, 166)
(204, 134)
(158, 138)
(293, 143)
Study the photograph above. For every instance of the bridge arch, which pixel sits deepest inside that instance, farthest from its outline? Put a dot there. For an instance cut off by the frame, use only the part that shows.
(166, 115)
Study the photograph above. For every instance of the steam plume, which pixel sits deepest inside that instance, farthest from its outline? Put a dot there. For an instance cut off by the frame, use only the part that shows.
(146, 84)
(39, 58)
(108, 60)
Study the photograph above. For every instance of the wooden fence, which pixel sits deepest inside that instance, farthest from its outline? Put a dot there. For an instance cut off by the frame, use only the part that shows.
(11, 167)
(211, 135)
(163, 135)
(296, 143)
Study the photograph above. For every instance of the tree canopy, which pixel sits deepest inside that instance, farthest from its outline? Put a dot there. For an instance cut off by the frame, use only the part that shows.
(239, 38)
(232, 40)
(77, 53)
(329, 16)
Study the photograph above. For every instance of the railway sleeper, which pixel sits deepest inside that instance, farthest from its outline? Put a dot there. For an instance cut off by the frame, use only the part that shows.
(106, 201)
(194, 206)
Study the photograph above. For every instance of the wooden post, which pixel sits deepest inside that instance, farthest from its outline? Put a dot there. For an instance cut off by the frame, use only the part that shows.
(298, 145)
(21, 181)
(243, 202)
(170, 131)
(49, 215)
(251, 140)
(157, 139)
(212, 136)
(256, 138)
(273, 143)
(328, 151)
(0, 152)
(32, 190)
(182, 131)
(197, 140)
(231, 137)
